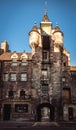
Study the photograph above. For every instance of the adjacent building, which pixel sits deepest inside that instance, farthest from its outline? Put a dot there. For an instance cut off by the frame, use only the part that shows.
(40, 85)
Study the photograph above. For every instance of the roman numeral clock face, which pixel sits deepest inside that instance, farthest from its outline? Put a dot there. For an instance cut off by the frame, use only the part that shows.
(46, 30)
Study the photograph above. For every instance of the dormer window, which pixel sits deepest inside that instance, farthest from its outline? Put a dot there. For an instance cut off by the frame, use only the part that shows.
(14, 58)
(24, 56)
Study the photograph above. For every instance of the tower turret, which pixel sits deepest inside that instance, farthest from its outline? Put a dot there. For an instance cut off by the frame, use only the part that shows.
(5, 46)
(58, 36)
(34, 37)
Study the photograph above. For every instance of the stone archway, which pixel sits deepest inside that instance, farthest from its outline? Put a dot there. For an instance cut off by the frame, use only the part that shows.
(45, 112)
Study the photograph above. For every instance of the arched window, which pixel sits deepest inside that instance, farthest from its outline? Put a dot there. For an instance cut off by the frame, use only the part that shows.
(22, 94)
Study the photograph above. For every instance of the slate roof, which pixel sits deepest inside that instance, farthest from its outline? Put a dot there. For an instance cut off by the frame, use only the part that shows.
(7, 56)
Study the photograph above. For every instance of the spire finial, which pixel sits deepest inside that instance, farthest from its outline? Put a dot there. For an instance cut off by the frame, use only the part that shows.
(45, 8)
(56, 23)
(35, 23)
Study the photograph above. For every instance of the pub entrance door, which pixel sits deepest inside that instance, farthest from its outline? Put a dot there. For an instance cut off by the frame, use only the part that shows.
(6, 111)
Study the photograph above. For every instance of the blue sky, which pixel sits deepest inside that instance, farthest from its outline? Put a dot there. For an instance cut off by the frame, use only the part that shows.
(17, 18)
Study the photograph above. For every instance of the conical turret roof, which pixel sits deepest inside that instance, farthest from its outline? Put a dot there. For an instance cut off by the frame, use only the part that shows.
(34, 28)
(57, 29)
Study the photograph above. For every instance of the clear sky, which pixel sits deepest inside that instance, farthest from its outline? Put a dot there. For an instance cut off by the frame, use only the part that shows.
(17, 18)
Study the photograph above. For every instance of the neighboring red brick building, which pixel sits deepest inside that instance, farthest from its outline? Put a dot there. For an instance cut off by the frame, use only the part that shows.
(41, 85)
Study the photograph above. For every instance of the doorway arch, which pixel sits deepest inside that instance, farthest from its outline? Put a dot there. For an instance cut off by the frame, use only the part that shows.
(45, 111)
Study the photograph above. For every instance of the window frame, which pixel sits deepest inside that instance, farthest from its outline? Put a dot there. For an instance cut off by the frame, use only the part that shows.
(22, 94)
(12, 78)
(44, 73)
(14, 62)
(23, 77)
(10, 94)
(21, 108)
(24, 62)
(45, 55)
(5, 78)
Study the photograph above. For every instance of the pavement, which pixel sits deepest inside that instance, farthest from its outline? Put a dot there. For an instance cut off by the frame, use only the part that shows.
(23, 124)
(15, 124)
(71, 124)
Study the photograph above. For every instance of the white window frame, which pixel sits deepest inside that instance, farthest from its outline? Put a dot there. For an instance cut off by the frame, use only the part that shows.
(44, 73)
(24, 63)
(23, 76)
(5, 77)
(14, 62)
(13, 76)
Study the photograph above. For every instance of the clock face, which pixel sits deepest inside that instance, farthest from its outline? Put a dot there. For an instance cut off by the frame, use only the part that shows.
(46, 30)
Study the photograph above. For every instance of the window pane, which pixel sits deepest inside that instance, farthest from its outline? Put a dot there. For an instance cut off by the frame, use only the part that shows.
(10, 94)
(44, 89)
(14, 62)
(5, 77)
(24, 77)
(22, 94)
(24, 63)
(66, 94)
(21, 108)
(44, 73)
(13, 77)
(44, 55)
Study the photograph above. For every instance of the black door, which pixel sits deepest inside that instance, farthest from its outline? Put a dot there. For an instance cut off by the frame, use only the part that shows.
(6, 111)
(70, 113)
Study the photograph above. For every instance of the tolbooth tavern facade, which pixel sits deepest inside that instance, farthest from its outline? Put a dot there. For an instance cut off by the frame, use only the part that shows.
(40, 85)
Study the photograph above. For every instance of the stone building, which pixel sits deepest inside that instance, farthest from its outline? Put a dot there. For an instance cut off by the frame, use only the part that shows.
(41, 85)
